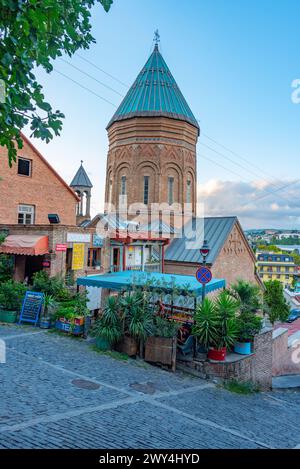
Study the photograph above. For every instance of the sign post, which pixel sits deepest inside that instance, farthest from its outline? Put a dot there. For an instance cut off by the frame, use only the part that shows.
(204, 276)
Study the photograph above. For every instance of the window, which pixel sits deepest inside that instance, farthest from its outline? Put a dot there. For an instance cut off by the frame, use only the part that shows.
(26, 215)
(170, 190)
(94, 257)
(110, 191)
(24, 167)
(287, 277)
(123, 185)
(146, 190)
(188, 191)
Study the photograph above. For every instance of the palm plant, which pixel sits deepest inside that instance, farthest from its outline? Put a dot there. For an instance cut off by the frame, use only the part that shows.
(247, 294)
(109, 325)
(205, 326)
(226, 310)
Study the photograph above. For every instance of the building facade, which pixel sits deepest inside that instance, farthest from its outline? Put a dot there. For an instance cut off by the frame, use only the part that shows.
(31, 190)
(273, 266)
(152, 144)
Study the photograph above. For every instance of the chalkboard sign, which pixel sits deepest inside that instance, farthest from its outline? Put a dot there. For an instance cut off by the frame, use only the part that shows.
(31, 307)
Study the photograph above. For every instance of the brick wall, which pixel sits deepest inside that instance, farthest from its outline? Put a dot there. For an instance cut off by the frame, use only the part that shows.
(286, 358)
(255, 368)
(44, 189)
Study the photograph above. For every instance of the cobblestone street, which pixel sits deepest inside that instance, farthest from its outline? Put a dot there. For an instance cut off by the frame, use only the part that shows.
(56, 392)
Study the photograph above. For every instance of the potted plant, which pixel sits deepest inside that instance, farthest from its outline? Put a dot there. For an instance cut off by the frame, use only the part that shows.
(139, 320)
(107, 330)
(206, 323)
(128, 303)
(248, 325)
(11, 296)
(161, 347)
(226, 327)
(48, 311)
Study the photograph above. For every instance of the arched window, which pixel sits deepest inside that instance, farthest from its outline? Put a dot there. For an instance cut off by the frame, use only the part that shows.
(110, 191)
(123, 185)
(188, 191)
(146, 190)
(170, 190)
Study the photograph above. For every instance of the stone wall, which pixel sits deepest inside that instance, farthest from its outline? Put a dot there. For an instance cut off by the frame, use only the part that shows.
(255, 368)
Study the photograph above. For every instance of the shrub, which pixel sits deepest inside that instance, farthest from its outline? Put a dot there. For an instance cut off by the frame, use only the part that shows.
(165, 327)
(6, 267)
(11, 295)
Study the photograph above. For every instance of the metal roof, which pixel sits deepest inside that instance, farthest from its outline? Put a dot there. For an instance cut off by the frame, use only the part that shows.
(186, 249)
(158, 226)
(81, 179)
(154, 93)
(125, 280)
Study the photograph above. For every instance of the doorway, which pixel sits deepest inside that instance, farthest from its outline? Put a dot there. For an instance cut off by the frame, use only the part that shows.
(115, 260)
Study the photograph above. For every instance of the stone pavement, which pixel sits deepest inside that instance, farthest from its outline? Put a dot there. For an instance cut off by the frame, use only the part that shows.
(56, 392)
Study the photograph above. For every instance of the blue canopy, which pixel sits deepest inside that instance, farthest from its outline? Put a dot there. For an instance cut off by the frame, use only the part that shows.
(125, 280)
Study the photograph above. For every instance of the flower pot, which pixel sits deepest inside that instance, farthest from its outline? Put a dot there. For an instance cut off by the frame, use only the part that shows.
(217, 354)
(102, 344)
(243, 348)
(71, 326)
(8, 316)
(127, 345)
(161, 350)
(45, 323)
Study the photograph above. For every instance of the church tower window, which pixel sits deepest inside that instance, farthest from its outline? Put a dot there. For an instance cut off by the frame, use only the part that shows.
(188, 191)
(170, 190)
(146, 190)
(123, 185)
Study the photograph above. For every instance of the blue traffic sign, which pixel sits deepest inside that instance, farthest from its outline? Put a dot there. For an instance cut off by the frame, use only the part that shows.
(203, 275)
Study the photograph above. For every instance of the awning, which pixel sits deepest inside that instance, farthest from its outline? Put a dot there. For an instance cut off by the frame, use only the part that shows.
(26, 245)
(125, 280)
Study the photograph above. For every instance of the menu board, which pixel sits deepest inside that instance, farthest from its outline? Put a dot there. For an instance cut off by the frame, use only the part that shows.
(31, 307)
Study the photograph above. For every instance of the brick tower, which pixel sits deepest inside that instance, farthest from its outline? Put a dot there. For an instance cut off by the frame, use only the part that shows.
(152, 142)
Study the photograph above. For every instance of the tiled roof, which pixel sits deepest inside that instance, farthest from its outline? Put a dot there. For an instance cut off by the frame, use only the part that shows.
(154, 93)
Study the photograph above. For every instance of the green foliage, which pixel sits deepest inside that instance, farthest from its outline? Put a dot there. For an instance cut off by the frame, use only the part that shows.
(240, 388)
(33, 33)
(49, 285)
(111, 353)
(2, 237)
(50, 304)
(11, 295)
(248, 325)
(275, 304)
(139, 319)
(165, 327)
(268, 248)
(206, 323)
(6, 267)
(248, 295)
(109, 325)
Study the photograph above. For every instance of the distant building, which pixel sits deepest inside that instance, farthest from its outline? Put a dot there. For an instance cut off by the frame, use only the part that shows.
(82, 186)
(273, 266)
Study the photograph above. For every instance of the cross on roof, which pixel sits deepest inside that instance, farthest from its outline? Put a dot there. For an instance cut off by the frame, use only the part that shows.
(156, 37)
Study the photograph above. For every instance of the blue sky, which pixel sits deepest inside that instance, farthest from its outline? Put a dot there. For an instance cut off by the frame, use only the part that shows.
(234, 61)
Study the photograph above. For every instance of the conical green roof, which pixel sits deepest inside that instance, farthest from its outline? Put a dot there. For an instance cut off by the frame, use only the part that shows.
(154, 93)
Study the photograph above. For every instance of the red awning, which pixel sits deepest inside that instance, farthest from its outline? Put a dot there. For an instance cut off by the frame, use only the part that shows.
(26, 245)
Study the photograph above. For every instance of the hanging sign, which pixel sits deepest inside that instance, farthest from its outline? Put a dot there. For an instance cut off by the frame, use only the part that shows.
(203, 275)
(78, 237)
(97, 241)
(46, 264)
(31, 308)
(78, 256)
(61, 247)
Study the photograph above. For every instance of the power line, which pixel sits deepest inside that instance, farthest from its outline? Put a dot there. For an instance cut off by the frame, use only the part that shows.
(85, 88)
(90, 76)
(101, 70)
(203, 156)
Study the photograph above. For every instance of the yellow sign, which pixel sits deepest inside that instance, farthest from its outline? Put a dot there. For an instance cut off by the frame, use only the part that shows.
(78, 256)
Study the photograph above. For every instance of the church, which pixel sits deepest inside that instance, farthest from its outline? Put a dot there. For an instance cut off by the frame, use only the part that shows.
(152, 172)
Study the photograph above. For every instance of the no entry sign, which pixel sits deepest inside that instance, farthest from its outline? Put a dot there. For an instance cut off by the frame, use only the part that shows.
(203, 275)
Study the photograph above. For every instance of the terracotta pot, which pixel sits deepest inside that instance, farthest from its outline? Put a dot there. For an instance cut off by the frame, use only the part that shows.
(217, 354)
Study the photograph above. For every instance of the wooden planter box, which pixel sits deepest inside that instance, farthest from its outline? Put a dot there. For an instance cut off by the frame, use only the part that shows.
(161, 350)
(127, 345)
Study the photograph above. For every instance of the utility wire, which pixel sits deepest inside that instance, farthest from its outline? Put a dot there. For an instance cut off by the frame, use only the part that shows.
(203, 156)
(101, 70)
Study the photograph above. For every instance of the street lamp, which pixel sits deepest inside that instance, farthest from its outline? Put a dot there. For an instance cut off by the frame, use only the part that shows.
(204, 251)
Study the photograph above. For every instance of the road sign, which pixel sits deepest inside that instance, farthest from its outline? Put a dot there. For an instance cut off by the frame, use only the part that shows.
(61, 247)
(203, 275)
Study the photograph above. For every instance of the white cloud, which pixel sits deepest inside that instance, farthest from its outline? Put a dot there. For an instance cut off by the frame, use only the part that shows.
(258, 204)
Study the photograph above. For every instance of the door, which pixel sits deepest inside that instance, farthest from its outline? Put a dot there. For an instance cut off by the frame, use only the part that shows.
(116, 260)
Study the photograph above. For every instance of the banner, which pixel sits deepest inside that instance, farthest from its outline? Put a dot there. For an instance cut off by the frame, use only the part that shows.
(78, 256)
